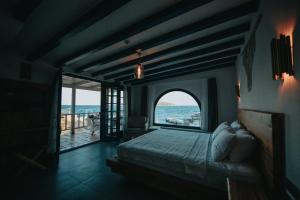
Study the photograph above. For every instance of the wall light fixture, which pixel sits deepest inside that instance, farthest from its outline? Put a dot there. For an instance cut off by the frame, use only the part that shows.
(282, 57)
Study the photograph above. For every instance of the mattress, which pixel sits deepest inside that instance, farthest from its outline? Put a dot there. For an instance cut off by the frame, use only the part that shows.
(184, 154)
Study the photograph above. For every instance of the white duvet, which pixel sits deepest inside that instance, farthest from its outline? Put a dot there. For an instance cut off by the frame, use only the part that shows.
(186, 150)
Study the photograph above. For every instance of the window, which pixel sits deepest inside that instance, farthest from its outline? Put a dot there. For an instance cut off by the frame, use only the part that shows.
(177, 108)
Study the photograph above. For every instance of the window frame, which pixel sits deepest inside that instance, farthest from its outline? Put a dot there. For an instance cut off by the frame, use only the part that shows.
(170, 125)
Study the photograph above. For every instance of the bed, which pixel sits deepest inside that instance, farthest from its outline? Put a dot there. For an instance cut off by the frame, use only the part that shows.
(180, 162)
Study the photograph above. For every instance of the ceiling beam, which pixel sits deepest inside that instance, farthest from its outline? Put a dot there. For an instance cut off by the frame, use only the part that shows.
(234, 43)
(192, 70)
(141, 26)
(70, 74)
(90, 84)
(195, 43)
(201, 25)
(81, 82)
(205, 59)
(92, 88)
(98, 12)
(182, 68)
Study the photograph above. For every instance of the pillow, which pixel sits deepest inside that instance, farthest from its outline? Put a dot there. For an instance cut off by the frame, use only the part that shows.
(222, 145)
(221, 126)
(235, 125)
(244, 146)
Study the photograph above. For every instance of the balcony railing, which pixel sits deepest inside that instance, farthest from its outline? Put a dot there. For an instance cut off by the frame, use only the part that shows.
(80, 120)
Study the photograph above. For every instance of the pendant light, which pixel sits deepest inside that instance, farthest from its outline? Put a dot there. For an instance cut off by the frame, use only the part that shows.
(139, 69)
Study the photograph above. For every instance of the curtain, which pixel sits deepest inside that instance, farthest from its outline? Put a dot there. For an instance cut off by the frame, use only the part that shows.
(212, 94)
(144, 101)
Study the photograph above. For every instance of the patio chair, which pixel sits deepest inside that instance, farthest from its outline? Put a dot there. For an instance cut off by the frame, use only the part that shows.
(90, 124)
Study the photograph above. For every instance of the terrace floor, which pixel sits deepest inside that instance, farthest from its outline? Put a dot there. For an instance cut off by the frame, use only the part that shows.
(81, 137)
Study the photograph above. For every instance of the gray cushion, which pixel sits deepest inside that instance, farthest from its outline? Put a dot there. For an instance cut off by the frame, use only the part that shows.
(244, 146)
(236, 125)
(223, 125)
(222, 145)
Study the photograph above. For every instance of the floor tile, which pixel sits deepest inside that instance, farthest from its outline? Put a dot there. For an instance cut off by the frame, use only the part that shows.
(82, 174)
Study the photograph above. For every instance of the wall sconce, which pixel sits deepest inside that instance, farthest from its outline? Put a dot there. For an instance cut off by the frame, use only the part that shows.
(238, 94)
(282, 57)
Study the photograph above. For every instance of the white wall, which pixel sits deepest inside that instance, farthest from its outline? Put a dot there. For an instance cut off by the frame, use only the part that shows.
(271, 95)
(196, 84)
(136, 95)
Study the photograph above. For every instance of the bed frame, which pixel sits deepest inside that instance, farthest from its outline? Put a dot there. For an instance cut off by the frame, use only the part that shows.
(267, 127)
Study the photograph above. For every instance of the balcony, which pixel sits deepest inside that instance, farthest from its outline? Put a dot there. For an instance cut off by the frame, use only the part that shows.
(86, 130)
(80, 99)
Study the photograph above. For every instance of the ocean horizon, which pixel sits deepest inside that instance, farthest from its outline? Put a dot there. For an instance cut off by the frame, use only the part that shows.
(162, 112)
(66, 109)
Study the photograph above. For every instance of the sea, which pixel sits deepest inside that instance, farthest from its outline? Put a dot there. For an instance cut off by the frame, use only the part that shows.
(66, 109)
(176, 112)
(161, 112)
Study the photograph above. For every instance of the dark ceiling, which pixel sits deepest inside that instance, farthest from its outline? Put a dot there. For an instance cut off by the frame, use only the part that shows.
(98, 39)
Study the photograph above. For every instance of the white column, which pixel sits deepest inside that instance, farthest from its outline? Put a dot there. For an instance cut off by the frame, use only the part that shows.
(73, 105)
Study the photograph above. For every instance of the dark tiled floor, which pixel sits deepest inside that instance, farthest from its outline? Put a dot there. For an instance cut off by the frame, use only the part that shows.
(82, 174)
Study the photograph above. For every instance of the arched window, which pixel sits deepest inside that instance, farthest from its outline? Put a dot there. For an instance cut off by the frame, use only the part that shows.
(177, 108)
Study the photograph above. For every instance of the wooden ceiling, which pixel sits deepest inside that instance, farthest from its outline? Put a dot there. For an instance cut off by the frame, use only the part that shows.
(78, 83)
(98, 39)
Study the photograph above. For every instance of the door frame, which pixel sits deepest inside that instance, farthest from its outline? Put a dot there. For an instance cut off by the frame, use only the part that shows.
(59, 94)
(58, 128)
(103, 129)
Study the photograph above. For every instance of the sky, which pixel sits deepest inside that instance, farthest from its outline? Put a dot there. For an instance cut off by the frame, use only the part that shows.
(178, 98)
(83, 97)
(86, 97)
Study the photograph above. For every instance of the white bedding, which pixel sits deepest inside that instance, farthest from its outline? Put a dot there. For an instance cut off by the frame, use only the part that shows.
(185, 154)
(184, 150)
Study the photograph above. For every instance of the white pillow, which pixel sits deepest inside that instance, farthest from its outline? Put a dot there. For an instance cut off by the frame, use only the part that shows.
(223, 125)
(222, 145)
(244, 146)
(235, 125)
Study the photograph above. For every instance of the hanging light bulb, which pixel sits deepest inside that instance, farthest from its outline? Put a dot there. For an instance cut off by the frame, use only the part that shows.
(139, 69)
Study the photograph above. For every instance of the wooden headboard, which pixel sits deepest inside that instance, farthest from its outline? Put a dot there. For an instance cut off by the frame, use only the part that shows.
(268, 128)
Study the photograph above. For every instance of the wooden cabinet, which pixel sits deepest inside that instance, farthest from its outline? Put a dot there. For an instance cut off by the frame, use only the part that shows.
(24, 122)
(238, 190)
